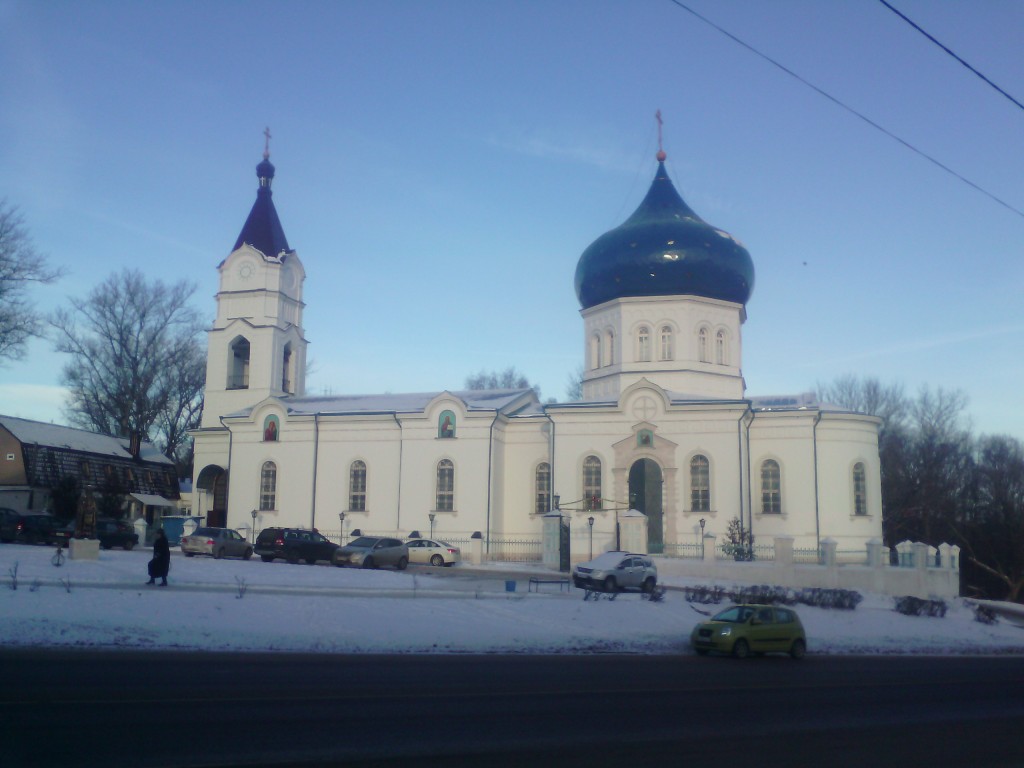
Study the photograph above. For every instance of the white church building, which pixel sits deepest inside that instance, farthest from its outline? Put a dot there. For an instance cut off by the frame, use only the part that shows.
(664, 426)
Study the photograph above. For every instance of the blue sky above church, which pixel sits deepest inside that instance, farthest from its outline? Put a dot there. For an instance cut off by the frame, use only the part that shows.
(441, 167)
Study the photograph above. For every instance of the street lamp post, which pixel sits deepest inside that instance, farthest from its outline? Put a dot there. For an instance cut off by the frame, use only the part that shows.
(341, 523)
(253, 513)
(431, 516)
(590, 521)
(702, 522)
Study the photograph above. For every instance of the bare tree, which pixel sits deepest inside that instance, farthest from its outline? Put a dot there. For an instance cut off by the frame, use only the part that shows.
(991, 531)
(136, 362)
(20, 265)
(574, 385)
(510, 378)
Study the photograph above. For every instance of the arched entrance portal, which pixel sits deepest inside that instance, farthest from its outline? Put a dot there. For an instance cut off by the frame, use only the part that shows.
(645, 495)
(214, 481)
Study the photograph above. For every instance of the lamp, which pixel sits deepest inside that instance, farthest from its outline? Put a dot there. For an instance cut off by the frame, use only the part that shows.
(254, 513)
(431, 516)
(702, 522)
(590, 522)
(557, 499)
(341, 524)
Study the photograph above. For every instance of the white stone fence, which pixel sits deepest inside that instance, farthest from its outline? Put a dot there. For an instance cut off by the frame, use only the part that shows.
(923, 571)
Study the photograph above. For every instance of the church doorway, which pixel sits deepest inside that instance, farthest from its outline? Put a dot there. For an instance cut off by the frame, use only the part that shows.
(645, 482)
(214, 480)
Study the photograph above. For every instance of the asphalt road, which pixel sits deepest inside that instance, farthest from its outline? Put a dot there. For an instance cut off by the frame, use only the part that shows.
(196, 709)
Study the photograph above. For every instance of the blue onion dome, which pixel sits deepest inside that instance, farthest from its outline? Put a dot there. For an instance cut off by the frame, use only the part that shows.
(664, 249)
(265, 172)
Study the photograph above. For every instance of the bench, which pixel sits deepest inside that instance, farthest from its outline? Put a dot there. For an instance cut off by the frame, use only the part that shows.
(534, 586)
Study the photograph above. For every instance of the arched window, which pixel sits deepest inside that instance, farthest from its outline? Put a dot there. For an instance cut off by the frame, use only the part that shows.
(238, 365)
(357, 487)
(446, 424)
(595, 351)
(666, 343)
(643, 344)
(445, 496)
(592, 483)
(860, 490)
(771, 488)
(268, 486)
(286, 369)
(700, 484)
(609, 348)
(702, 345)
(720, 355)
(542, 489)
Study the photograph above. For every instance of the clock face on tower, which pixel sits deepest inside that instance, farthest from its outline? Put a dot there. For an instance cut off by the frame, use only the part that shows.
(246, 270)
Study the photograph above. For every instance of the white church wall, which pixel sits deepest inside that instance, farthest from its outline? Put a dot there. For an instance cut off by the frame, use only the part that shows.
(843, 441)
(525, 446)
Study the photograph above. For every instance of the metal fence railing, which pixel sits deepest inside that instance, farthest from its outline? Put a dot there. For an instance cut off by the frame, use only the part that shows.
(695, 551)
(807, 555)
(514, 549)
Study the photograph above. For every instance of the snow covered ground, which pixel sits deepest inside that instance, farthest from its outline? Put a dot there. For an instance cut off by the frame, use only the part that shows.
(229, 605)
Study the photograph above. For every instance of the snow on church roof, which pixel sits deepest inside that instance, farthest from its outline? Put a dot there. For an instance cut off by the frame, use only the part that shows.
(501, 400)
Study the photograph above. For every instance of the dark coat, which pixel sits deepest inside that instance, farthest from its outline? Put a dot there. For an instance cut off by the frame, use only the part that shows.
(161, 562)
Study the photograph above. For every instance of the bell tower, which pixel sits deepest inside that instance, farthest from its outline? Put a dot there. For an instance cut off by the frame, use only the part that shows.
(256, 347)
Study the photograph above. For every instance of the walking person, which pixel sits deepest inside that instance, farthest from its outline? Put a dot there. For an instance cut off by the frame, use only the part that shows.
(161, 562)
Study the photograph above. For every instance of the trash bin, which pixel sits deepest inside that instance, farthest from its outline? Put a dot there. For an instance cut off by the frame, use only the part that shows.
(510, 586)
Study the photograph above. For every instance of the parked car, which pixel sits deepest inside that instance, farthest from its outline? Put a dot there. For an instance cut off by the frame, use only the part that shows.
(36, 529)
(293, 544)
(617, 572)
(110, 532)
(216, 542)
(8, 524)
(433, 551)
(373, 552)
(745, 629)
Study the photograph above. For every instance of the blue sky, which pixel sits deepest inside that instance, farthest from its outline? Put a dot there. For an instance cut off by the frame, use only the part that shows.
(442, 165)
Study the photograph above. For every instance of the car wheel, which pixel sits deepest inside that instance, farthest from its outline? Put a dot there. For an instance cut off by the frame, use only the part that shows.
(741, 649)
(218, 553)
(190, 554)
(402, 563)
(292, 558)
(437, 560)
(247, 554)
(648, 585)
(310, 561)
(266, 558)
(128, 546)
(798, 649)
(609, 584)
(368, 563)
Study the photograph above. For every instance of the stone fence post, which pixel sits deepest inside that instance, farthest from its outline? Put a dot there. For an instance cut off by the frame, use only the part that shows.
(828, 552)
(783, 550)
(476, 548)
(710, 542)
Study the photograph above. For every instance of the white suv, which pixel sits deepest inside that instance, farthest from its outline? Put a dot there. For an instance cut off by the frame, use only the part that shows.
(616, 572)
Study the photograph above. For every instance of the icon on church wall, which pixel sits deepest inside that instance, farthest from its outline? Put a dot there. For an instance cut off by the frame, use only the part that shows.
(446, 424)
(270, 429)
(645, 438)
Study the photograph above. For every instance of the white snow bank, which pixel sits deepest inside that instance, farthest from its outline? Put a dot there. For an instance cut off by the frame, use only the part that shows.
(300, 608)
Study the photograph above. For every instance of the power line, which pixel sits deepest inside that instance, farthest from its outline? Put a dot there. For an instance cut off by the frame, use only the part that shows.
(947, 50)
(849, 109)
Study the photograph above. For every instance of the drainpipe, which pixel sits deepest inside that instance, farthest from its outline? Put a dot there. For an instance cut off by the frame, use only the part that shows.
(490, 476)
(817, 518)
(750, 482)
(316, 454)
(401, 446)
(231, 441)
(739, 449)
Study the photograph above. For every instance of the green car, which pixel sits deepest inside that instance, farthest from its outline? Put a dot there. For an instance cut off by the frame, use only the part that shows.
(745, 629)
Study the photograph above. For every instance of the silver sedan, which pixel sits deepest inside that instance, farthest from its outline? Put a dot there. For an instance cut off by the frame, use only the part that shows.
(216, 542)
(433, 551)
